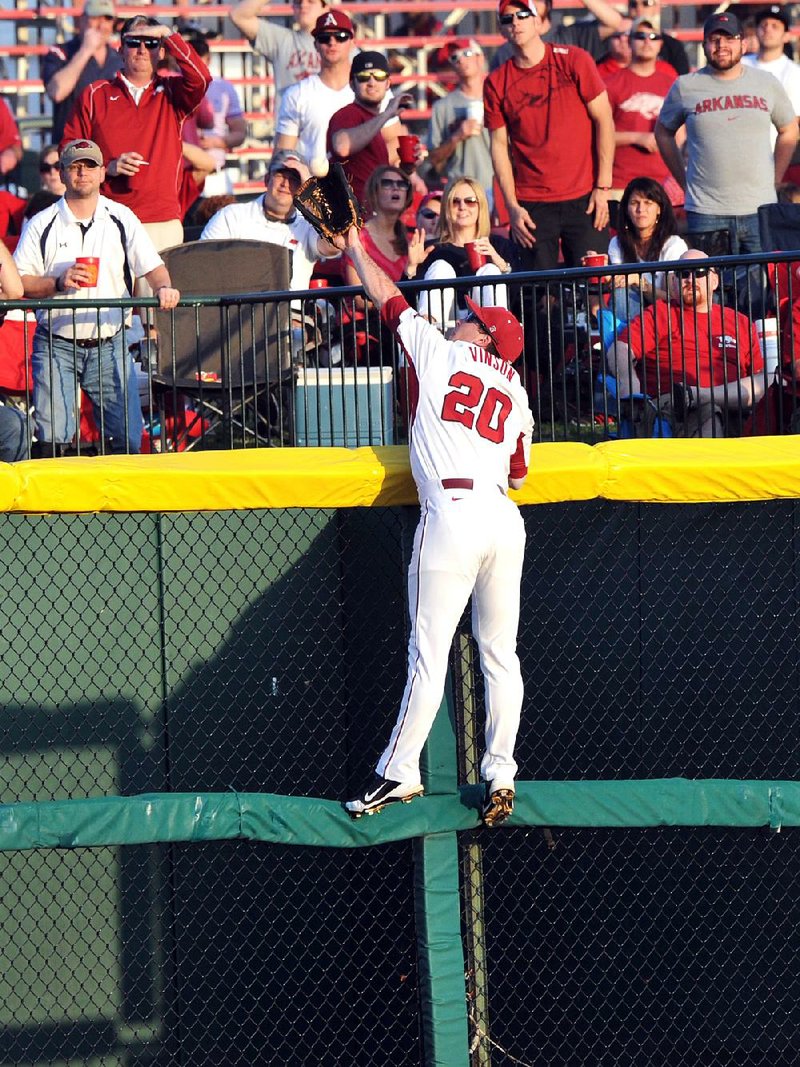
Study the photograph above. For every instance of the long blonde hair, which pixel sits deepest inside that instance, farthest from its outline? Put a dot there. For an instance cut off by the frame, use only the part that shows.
(483, 225)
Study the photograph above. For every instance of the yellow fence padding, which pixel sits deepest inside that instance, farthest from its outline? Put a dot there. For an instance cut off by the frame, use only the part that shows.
(676, 471)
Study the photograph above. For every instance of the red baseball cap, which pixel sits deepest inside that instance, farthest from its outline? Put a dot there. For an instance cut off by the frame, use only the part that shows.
(524, 5)
(504, 330)
(331, 21)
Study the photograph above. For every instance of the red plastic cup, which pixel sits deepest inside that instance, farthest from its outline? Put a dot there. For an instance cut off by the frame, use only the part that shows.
(93, 263)
(476, 258)
(318, 283)
(407, 148)
(595, 261)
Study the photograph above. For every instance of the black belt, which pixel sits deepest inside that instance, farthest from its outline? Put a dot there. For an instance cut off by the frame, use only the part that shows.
(88, 342)
(457, 483)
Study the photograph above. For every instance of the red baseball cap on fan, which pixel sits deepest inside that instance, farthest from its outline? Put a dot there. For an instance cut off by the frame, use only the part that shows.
(524, 5)
(332, 21)
(504, 330)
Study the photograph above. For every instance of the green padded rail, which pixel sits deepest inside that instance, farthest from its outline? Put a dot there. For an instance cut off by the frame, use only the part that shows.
(311, 821)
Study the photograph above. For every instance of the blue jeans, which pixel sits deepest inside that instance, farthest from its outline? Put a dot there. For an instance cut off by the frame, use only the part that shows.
(13, 435)
(745, 239)
(104, 373)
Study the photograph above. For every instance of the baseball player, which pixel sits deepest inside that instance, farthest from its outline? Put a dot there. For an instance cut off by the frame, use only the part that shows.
(470, 439)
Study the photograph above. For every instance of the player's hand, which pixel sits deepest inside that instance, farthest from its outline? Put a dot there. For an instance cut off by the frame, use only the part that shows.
(523, 228)
(598, 203)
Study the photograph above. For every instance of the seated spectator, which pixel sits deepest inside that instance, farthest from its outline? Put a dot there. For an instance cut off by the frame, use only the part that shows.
(647, 231)
(272, 218)
(427, 217)
(465, 220)
(49, 170)
(387, 195)
(700, 362)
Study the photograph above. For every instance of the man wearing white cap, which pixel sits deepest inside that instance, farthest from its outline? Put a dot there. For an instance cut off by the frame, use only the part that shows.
(458, 140)
(89, 57)
(86, 345)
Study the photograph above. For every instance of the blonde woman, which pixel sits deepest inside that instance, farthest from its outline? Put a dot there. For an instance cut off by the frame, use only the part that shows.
(464, 218)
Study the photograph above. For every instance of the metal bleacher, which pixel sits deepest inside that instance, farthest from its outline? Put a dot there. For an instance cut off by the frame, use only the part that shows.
(28, 29)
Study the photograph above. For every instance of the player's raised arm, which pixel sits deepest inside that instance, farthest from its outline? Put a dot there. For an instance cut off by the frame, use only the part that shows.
(378, 286)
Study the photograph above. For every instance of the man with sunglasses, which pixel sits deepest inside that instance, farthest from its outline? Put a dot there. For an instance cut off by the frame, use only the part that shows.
(137, 118)
(308, 106)
(728, 111)
(470, 441)
(89, 57)
(290, 51)
(672, 50)
(362, 136)
(458, 141)
(636, 95)
(699, 361)
(552, 143)
(85, 346)
(272, 218)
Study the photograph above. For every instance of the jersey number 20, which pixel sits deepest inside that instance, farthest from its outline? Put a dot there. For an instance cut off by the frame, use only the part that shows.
(475, 406)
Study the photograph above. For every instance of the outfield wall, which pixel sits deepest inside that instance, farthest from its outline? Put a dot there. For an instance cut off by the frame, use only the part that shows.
(221, 638)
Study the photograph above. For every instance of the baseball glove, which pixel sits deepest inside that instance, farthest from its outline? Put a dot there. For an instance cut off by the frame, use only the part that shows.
(329, 203)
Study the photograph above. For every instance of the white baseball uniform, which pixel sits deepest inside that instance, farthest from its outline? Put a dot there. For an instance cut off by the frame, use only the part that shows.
(471, 427)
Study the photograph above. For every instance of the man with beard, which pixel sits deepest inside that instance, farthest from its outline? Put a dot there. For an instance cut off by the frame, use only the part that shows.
(362, 135)
(701, 361)
(729, 110)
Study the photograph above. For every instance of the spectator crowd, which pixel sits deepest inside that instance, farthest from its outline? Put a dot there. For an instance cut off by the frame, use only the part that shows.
(595, 136)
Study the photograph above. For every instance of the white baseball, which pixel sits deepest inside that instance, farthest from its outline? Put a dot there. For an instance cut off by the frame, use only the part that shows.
(319, 166)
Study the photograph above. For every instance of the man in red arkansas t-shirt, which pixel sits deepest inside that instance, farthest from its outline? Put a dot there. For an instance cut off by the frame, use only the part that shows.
(701, 362)
(552, 142)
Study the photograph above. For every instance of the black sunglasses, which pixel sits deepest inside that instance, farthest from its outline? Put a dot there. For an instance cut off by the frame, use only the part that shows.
(150, 43)
(426, 213)
(643, 35)
(699, 272)
(47, 168)
(507, 20)
(339, 35)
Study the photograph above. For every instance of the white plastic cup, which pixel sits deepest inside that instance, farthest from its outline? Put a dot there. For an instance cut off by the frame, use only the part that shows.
(767, 330)
(475, 110)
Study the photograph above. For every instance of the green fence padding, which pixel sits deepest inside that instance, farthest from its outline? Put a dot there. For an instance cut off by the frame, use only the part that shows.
(311, 821)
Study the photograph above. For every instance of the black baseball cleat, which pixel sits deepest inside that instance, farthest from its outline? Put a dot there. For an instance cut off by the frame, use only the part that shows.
(498, 805)
(378, 793)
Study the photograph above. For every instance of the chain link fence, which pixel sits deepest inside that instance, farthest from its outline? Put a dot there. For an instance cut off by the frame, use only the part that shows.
(264, 652)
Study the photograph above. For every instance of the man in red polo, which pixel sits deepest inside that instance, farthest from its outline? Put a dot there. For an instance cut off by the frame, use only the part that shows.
(362, 136)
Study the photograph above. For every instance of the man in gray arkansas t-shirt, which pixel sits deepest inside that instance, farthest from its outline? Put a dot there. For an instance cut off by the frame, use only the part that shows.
(728, 110)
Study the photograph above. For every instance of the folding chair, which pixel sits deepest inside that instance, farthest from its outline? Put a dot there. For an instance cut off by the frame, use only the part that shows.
(234, 359)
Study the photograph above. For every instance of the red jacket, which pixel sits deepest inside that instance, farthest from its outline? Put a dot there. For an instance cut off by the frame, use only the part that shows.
(106, 114)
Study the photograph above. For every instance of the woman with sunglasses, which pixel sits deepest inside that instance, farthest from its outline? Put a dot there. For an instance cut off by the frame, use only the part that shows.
(386, 197)
(647, 232)
(464, 220)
